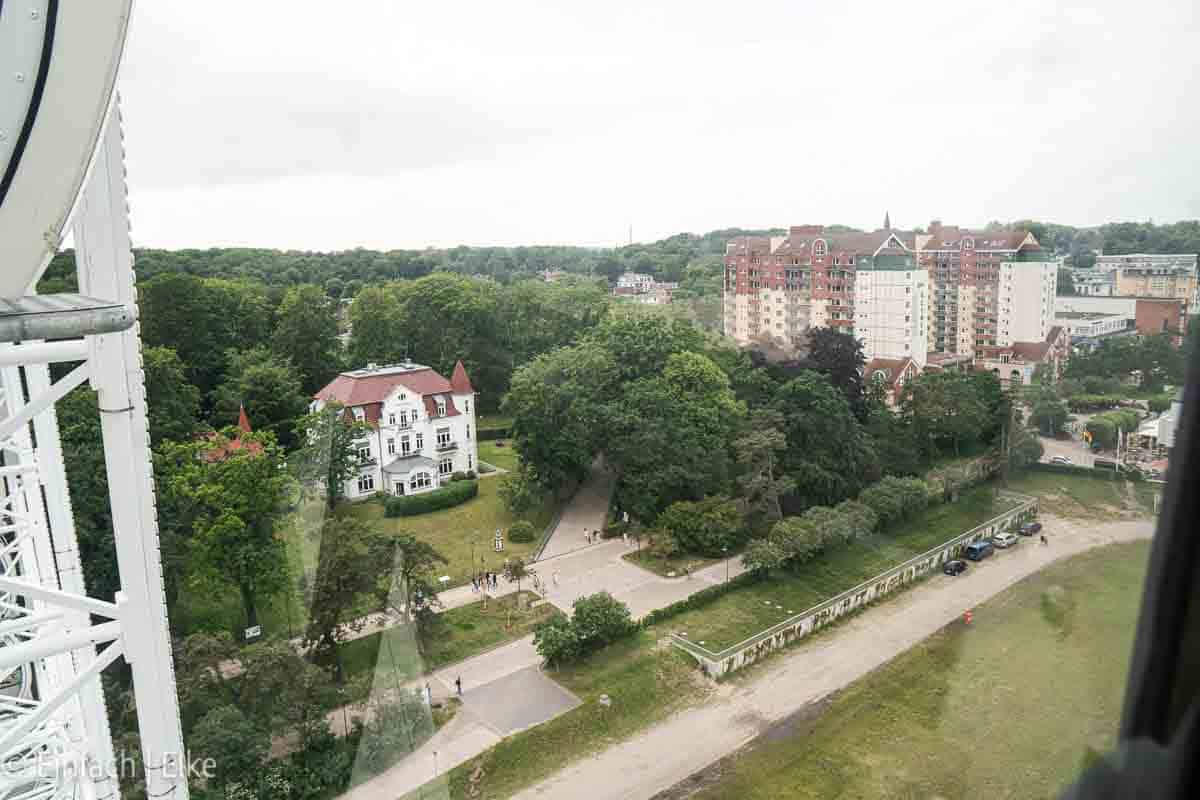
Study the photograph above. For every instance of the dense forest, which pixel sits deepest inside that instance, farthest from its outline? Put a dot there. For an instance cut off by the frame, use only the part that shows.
(693, 260)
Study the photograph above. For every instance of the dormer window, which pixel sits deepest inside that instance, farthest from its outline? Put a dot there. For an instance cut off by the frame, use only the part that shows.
(360, 413)
(819, 247)
(968, 244)
(441, 406)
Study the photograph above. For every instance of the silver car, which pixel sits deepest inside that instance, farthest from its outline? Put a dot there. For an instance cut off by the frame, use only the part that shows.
(1005, 539)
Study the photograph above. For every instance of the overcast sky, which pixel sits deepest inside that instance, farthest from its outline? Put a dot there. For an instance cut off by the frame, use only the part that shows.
(388, 123)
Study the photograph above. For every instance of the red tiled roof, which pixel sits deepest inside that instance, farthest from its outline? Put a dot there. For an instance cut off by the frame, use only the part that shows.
(431, 407)
(950, 238)
(351, 390)
(1031, 351)
(895, 368)
(459, 381)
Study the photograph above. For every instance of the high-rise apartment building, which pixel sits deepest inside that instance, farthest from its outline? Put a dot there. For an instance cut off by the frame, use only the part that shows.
(891, 307)
(777, 287)
(988, 289)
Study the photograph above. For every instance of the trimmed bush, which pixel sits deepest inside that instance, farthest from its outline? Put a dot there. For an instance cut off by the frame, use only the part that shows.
(411, 505)
(471, 475)
(597, 620)
(522, 532)
(458, 476)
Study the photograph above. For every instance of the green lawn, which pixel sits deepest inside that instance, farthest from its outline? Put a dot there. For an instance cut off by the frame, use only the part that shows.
(503, 457)
(1007, 708)
(391, 656)
(489, 422)
(1085, 497)
(645, 682)
(453, 531)
(666, 566)
(743, 613)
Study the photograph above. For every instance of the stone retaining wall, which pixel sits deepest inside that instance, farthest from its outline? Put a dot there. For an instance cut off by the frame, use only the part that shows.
(747, 652)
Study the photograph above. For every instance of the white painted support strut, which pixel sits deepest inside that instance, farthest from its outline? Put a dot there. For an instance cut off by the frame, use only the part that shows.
(104, 258)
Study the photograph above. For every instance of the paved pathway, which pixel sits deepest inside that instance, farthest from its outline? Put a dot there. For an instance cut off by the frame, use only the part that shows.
(671, 751)
(587, 511)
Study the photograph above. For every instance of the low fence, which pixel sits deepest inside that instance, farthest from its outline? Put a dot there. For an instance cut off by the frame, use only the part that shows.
(1071, 469)
(817, 617)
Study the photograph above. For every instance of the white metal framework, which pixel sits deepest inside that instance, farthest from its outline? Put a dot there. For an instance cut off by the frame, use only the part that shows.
(55, 639)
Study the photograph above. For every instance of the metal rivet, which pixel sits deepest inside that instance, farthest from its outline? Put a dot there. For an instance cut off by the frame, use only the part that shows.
(35, 14)
(20, 77)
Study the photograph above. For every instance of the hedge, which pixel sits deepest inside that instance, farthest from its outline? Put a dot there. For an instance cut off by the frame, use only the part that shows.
(1070, 469)
(700, 599)
(490, 434)
(411, 505)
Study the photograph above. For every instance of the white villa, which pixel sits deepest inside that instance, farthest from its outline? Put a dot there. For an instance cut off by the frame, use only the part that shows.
(422, 426)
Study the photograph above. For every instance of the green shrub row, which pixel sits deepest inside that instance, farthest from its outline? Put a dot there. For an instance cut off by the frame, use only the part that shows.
(1070, 469)
(457, 493)
(700, 599)
(491, 434)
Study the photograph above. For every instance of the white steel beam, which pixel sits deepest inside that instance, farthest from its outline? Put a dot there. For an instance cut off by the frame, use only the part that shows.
(104, 258)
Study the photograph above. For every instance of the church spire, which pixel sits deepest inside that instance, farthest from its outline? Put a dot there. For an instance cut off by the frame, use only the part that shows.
(887, 221)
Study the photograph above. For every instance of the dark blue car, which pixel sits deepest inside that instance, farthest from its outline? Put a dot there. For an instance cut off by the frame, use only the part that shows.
(978, 551)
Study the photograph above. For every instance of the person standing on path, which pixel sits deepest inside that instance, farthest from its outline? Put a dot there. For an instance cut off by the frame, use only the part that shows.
(458, 685)
(555, 576)
(1044, 539)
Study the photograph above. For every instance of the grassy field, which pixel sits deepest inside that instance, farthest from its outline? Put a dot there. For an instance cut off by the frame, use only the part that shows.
(666, 566)
(741, 614)
(1084, 497)
(453, 531)
(1007, 708)
(645, 682)
(493, 421)
(391, 656)
(502, 457)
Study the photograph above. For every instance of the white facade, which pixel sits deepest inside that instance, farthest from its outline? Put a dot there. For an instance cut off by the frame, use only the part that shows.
(423, 430)
(1178, 261)
(1118, 306)
(891, 313)
(1090, 326)
(1027, 301)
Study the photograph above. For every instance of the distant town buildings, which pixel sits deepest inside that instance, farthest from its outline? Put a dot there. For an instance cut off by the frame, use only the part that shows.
(909, 297)
(1092, 318)
(642, 288)
(1152, 275)
(422, 426)
(552, 275)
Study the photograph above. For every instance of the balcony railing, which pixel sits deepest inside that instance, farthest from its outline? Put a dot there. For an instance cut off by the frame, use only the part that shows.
(443, 446)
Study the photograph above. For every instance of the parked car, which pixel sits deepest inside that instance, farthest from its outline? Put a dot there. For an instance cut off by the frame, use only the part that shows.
(978, 551)
(954, 567)
(1061, 460)
(1005, 539)
(1030, 528)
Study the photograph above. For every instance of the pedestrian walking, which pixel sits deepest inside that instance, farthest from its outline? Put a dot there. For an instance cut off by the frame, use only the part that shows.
(1044, 539)
(555, 576)
(428, 695)
(495, 581)
(458, 685)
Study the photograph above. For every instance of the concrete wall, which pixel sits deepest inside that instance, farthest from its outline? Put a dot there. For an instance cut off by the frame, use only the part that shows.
(801, 625)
